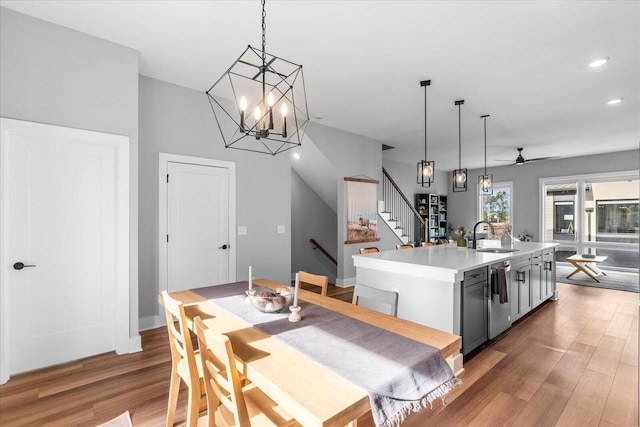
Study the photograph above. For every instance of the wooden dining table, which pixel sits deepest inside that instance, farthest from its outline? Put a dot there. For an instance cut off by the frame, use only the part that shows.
(310, 392)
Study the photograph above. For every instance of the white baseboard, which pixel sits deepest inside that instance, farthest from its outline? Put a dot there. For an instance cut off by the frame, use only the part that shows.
(151, 322)
(346, 283)
(133, 345)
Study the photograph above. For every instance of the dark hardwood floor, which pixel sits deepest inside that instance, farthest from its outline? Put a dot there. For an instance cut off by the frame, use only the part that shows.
(573, 362)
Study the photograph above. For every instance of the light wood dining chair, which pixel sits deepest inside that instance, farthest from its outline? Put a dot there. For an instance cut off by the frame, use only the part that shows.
(443, 241)
(376, 299)
(369, 250)
(228, 403)
(314, 279)
(406, 246)
(185, 362)
(424, 244)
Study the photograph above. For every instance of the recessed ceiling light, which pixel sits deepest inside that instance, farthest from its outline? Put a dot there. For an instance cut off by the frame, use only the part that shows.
(318, 117)
(296, 156)
(615, 101)
(598, 62)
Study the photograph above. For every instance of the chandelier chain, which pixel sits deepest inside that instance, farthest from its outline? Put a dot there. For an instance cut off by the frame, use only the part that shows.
(264, 34)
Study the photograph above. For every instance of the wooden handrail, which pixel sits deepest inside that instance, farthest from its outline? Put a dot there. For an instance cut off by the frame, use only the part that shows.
(327, 254)
(422, 221)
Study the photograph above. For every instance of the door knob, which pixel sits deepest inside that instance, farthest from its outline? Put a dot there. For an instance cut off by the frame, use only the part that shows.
(21, 265)
(224, 247)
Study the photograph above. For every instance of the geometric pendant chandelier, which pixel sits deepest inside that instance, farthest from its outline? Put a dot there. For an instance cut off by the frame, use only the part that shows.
(426, 168)
(460, 174)
(268, 109)
(485, 182)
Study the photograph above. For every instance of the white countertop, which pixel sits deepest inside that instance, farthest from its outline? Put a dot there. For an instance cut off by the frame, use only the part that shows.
(442, 262)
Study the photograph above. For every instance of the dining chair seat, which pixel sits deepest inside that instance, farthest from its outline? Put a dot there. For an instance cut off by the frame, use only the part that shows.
(316, 280)
(229, 404)
(376, 299)
(423, 244)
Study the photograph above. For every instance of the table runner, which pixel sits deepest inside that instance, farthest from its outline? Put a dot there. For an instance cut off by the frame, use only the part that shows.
(399, 374)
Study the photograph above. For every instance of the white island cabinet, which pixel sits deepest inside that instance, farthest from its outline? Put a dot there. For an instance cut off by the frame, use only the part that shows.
(428, 279)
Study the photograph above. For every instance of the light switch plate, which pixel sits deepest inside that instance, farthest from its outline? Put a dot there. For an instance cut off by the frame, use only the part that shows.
(281, 229)
(242, 230)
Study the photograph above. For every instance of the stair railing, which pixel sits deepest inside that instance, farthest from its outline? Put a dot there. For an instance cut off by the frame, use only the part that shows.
(324, 252)
(401, 209)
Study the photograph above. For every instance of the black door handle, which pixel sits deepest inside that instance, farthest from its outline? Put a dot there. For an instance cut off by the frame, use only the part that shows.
(224, 247)
(21, 265)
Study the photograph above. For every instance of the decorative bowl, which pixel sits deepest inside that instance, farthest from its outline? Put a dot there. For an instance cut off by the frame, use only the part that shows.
(270, 301)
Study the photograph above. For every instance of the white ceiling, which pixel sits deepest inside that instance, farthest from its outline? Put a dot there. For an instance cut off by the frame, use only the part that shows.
(522, 62)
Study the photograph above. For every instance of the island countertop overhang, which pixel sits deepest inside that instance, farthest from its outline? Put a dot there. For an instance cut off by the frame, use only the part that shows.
(442, 262)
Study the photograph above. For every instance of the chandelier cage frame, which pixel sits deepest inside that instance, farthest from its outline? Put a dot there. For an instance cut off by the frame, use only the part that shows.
(426, 168)
(485, 182)
(257, 72)
(459, 184)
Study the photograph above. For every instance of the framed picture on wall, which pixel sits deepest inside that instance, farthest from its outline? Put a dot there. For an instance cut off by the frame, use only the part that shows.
(362, 215)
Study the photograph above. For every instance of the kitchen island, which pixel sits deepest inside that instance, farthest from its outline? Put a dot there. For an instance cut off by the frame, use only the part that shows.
(431, 283)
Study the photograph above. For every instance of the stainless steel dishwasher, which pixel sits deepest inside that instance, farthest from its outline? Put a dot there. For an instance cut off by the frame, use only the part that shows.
(499, 314)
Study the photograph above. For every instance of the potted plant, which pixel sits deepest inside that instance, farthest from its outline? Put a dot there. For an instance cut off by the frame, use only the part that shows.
(462, 232)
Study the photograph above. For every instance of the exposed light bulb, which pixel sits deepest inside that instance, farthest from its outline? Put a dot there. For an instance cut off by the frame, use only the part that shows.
(283, 109)
(270, 100)
(427, 170)
(257, 114)
(460, 177)
(243, 104)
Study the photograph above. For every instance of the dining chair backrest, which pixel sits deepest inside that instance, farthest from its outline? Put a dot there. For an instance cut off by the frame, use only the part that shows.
(405, 246)
(314, 279)
(221, 378)
(229, 404)
(369, 250)
(423, 244)
(376, 299)
(184, 361)
(443, 241)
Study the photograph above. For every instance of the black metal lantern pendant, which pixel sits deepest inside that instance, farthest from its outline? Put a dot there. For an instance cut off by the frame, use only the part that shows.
(268, 112)
(460, 174)
(426, 168)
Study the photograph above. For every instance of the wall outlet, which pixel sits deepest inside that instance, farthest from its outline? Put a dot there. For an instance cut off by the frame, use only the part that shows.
(242, 230)
(281, 229)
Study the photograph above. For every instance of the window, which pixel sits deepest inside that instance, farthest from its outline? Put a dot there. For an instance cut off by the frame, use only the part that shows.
(595, 214)
(496, 208)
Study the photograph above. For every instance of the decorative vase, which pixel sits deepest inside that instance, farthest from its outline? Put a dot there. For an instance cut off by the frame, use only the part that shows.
(462, 242)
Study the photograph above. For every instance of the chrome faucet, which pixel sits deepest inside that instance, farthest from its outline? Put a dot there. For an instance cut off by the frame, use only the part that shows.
(474, 231)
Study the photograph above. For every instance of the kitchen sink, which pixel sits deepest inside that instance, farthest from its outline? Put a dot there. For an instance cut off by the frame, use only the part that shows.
(497, 250)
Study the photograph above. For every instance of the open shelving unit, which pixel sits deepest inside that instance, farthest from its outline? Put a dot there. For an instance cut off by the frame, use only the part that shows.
(433, 209)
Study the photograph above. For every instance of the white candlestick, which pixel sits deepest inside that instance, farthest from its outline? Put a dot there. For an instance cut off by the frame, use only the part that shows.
(250, 280)
(295, 291)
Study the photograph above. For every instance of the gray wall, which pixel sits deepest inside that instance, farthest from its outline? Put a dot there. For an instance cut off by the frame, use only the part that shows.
(51, 74)
(352, 156)
(311, 218)
(463, 207)
(177, 120)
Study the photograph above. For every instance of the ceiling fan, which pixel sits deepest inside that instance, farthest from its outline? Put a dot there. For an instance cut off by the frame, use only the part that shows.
(520, 160)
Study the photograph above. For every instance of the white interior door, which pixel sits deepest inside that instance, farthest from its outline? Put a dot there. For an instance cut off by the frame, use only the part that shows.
(198, 226)
(61, 221)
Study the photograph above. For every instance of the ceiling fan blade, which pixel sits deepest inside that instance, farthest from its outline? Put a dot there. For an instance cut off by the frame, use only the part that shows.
(537, 159)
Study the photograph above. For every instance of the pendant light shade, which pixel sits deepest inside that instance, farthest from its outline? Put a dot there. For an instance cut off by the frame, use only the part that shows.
(460, 174)
(485, 182)
(426, 168)
(268, 110)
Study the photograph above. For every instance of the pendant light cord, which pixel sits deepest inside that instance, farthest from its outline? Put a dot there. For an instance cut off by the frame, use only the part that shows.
(425, 124)
(459, 140)
(485, 145)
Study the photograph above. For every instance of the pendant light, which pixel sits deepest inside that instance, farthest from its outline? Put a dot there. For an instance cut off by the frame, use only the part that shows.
(426, 168)
(460, 174)
(265, 86)
(485, 182)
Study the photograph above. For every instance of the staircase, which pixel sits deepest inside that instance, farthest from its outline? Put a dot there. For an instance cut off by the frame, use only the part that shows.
(399, 213)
